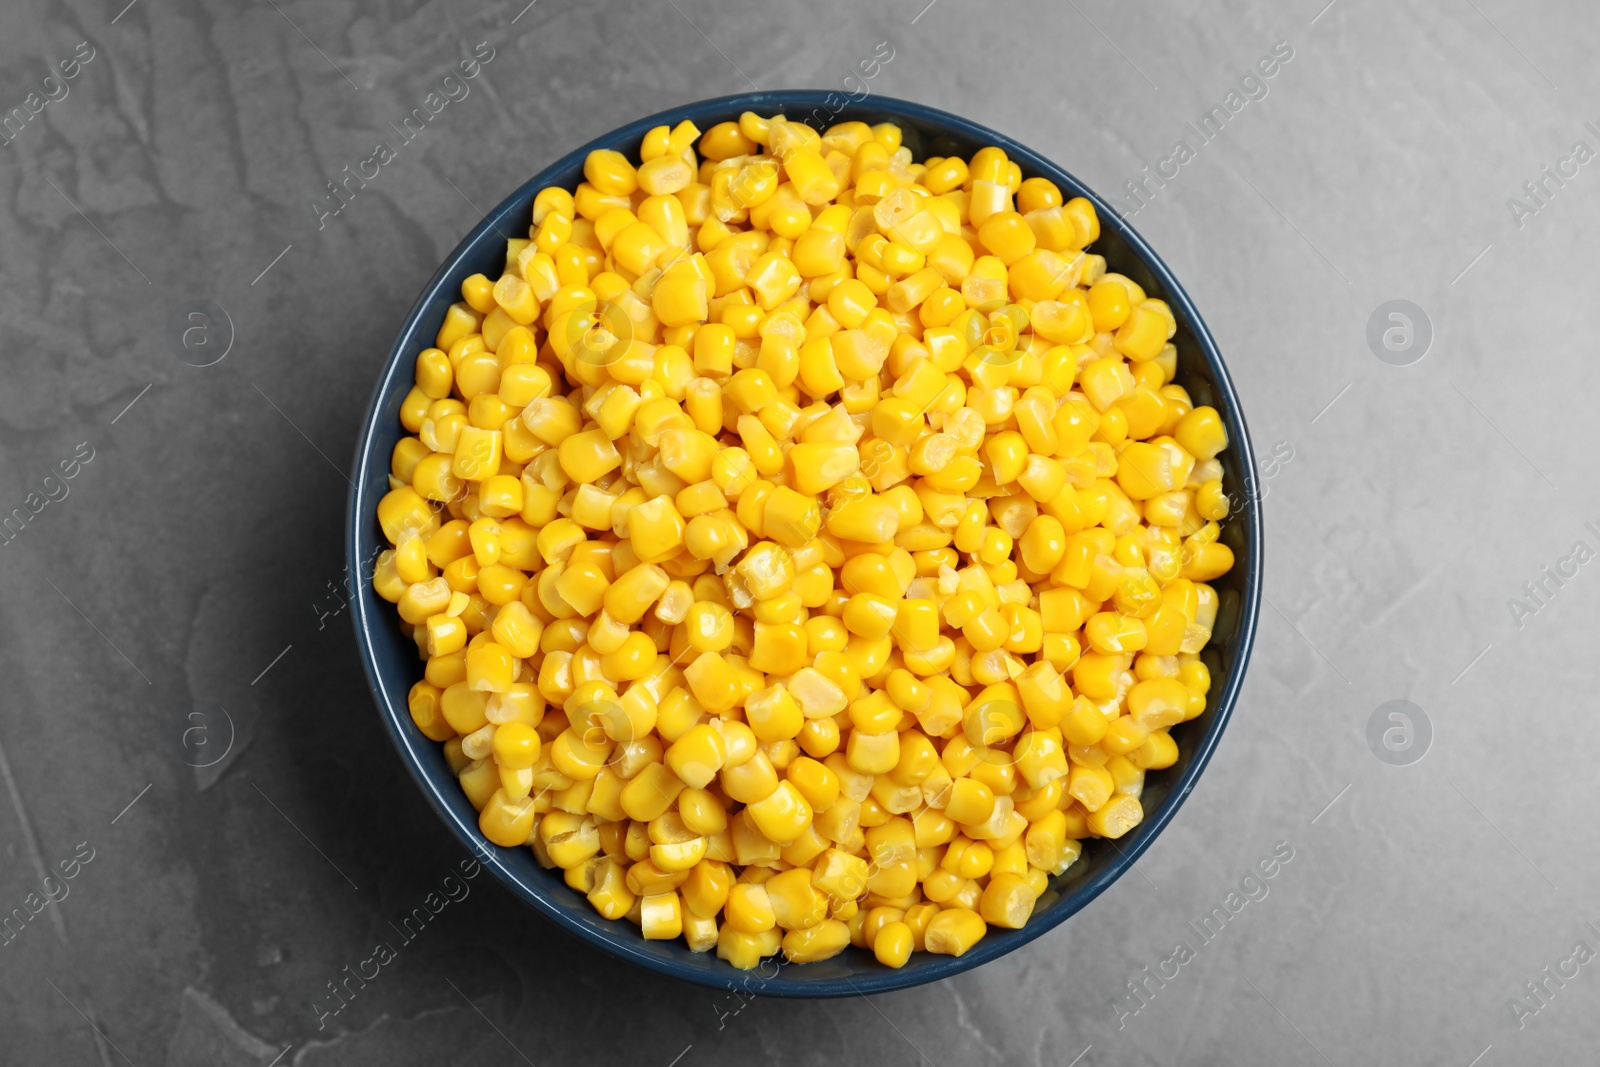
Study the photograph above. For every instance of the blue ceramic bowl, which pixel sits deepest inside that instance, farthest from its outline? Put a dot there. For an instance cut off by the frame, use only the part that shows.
(390, 658)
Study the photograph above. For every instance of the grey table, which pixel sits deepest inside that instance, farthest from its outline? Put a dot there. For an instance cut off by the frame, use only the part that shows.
(186, 730)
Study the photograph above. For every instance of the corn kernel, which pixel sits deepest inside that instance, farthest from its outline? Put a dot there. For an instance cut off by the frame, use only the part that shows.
(953, 931)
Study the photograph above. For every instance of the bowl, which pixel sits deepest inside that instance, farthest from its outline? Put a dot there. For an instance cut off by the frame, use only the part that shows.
(390, 658)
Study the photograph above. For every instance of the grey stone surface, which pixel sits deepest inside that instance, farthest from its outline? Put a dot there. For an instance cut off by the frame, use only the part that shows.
(173, 609)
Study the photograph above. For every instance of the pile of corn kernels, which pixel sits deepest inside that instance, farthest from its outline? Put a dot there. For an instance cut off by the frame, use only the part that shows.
(808, 545)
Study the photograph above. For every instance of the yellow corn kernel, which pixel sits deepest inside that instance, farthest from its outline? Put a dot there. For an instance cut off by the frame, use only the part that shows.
(870, 519)
(818, 252)
(628, 719)
(840, 875)
(713, 681)
(793, 902)
(779, 648)
(1201, 433)
(702, 812)
(633, 659)
(869, 616)
(580, 755)
(953, 931)
(505, 821)
(749, 908)
(632, 594)
(655, 529)
(819, 737)
(773, 715)
(1007, 901)
(950, 173)
(644, 877)
(480, 781)
(893, 944)
(588, 455)
(773, 278)
(1158, 703)
(1040, 759)
(697, 756)
(1144, 333)
(446, 634)
(1091, 786)
(815, 943)
(610, 172)
(970, 802)
(610, 895)
(490, 668)
(817, 466)
(464, 709)
(661, 916)
(1158, 752)
(1046, 842)
(783, 815)
(740, 950)
(1211, 501)
(674, 847)
(706, 890)
(816, 783)
(724, 141)
(516, 745)
(1109, 304)
(651, 792)
(1119, 815)
(873, 753)
(423, 703)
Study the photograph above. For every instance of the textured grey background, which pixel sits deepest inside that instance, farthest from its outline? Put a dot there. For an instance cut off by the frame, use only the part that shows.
(200, 545)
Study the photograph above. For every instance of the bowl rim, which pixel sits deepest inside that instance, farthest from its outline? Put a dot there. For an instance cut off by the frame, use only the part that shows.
(625, 942)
